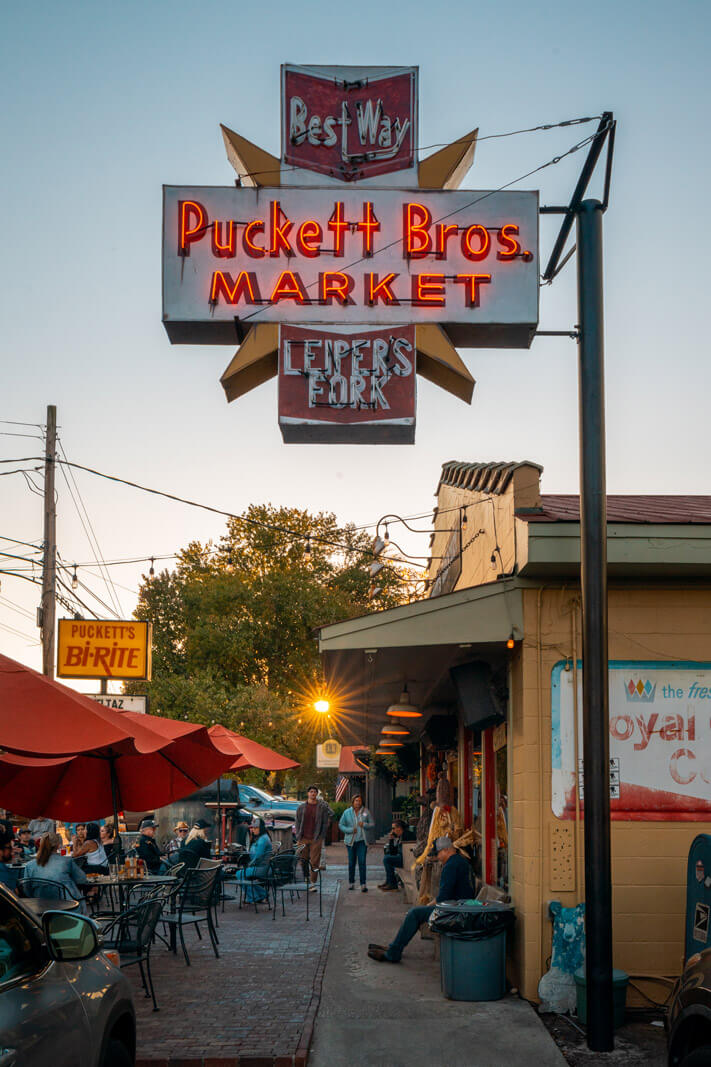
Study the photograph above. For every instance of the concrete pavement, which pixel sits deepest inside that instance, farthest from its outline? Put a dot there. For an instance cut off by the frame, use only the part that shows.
(375, 1014)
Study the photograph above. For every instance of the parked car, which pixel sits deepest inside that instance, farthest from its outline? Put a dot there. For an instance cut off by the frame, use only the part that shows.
(62, 1002)
(689, 1018)
(253, 797)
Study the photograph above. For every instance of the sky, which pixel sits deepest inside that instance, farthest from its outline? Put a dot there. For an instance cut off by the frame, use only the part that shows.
(103, 104)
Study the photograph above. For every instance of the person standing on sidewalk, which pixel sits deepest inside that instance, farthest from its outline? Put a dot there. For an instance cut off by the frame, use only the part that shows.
(310, 826)
(355, 823)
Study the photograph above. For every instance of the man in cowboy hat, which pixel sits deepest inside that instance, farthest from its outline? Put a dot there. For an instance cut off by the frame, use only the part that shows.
(180, 832)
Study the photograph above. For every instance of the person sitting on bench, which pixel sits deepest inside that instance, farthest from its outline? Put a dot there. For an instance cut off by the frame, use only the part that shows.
(454, 884)
(392, 858)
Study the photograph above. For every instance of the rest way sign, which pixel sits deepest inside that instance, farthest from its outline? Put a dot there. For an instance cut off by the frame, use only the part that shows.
(347, 384)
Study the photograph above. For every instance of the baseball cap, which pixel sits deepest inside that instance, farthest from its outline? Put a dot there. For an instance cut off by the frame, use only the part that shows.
(440, 844)
(202, 824)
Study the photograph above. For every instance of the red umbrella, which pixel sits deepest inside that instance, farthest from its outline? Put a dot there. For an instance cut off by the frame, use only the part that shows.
(248, 753)
(94, 783)
(39, 716)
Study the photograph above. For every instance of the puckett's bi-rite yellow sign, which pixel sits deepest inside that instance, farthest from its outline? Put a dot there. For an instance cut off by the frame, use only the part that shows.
(100, 649)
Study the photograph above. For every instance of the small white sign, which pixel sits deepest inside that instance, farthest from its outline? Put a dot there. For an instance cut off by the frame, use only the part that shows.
(328, 754)
(119, 702)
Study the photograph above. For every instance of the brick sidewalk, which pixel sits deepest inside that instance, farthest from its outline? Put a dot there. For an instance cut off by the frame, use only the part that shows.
(255, 1006)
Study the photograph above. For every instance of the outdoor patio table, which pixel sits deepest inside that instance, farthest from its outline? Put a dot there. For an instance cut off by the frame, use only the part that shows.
(126, 886)
(38, 905)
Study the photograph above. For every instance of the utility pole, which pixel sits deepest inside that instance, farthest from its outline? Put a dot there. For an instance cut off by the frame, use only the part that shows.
(593, 579)
(49, 564)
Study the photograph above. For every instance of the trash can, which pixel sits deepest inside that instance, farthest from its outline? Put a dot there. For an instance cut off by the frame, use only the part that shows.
(620, 980)
(473, 948)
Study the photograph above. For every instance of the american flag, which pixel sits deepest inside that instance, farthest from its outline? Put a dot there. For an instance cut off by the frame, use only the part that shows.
(341, 786)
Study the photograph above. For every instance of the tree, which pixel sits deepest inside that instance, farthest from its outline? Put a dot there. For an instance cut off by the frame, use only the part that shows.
(234, 624)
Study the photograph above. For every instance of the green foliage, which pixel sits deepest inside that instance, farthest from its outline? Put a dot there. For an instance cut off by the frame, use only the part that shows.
(233, 627)
(338, 807)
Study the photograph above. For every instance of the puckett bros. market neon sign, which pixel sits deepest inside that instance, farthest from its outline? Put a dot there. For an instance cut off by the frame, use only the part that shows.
(354, 257)
(465, 260)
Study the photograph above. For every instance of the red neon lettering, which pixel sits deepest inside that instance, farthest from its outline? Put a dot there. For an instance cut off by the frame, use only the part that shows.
(416, 221)
(279, 231)
(228, 249)
(308, 238)
(444, 232)
(245, 286)
(336, 284)
(471, 283)
(480, 234)
(192, 224)
(509, 245)
(338, 227)
(368, 226)
(428, 289)
(252, 249)
(379, 289)
(289, 286)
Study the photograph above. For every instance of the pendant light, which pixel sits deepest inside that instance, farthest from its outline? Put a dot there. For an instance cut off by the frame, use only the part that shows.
(404, 709)
(395, 729)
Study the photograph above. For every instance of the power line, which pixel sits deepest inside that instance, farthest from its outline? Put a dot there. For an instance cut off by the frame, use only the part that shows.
(443, 144)
(95, 546)
(455, 211)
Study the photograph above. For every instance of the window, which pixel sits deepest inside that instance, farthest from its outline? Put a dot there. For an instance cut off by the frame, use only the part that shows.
(20, 953)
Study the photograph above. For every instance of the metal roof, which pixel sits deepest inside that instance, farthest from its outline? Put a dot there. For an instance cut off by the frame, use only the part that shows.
(629, 508)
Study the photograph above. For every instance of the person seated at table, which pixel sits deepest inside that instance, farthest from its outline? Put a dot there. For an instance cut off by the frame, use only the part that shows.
(49, 866)
(24, 845)
(8, 875)
(196, 845)
(40, 826)
(78, 837)
(91, 853)
(107, 839)
(180, 833)
(260, 853)
(147, 849)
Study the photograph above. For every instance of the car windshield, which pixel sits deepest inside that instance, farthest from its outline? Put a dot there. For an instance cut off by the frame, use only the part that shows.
(252, 790)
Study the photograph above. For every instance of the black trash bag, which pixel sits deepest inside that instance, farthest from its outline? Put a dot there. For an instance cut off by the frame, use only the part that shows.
(467, 922)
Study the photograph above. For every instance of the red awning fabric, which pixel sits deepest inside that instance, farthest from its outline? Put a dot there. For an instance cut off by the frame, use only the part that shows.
(79, 787)
(246, 753)
(39, 716)
(349, 763)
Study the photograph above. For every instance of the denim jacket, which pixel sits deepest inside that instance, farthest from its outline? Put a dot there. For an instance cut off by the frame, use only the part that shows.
(347, 824)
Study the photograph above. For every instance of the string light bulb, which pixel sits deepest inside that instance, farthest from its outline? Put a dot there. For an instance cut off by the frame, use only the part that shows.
(75, 580)
(152, 571)
(464, 516)
(386, 535)
(307, 546)
(511, 642)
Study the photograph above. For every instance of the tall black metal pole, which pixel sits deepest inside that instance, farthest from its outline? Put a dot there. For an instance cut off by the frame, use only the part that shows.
(593, 559)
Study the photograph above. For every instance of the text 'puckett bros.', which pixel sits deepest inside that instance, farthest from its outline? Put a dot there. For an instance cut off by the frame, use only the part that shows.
(375, 256)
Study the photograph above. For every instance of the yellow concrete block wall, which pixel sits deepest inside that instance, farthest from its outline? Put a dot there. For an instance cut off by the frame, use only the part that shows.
(649, 858)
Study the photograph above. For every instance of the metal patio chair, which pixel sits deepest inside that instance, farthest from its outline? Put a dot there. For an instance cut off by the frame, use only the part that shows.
(192, 905)
(43, 887)
(131, 934)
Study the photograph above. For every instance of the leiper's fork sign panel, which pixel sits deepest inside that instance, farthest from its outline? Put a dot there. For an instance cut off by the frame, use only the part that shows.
(98, 649)
(660, 741)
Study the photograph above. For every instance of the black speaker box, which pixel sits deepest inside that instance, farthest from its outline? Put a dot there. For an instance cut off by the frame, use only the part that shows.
(479, 702)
